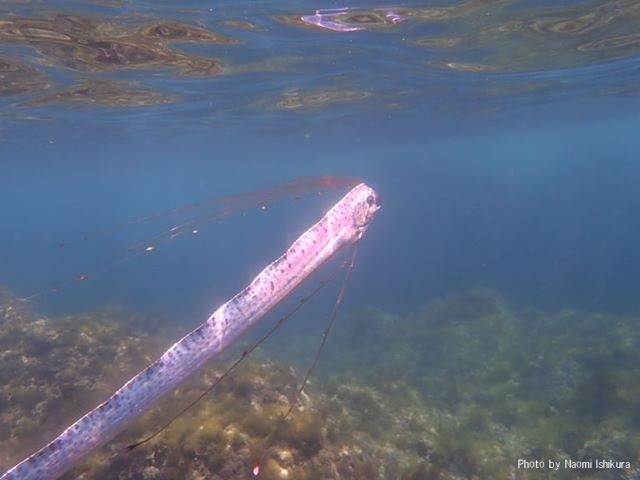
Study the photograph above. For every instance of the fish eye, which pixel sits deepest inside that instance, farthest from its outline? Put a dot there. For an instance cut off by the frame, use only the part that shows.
(374, 200)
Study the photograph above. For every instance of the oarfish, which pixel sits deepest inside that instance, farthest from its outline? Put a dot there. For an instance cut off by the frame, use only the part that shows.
(343, 225)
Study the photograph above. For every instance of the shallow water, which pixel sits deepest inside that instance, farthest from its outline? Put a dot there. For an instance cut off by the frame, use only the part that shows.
(495, 295)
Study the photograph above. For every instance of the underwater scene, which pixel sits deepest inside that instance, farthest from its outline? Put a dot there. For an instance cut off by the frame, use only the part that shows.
(320, 240)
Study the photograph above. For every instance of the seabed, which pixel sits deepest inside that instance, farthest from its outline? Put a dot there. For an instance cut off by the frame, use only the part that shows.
(459, 390)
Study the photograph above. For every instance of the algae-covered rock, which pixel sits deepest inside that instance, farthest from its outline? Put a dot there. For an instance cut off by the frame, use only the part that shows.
(459, 390)
(54, 370)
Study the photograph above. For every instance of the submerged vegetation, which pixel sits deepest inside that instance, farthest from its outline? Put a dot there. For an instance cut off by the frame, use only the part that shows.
(461, 390)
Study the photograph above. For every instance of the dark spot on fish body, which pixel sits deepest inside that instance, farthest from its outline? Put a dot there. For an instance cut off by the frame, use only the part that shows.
(172, 355)
(149, 371)
(237, 302)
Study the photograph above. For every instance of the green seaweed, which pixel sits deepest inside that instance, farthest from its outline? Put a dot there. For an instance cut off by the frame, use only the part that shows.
(459, 389)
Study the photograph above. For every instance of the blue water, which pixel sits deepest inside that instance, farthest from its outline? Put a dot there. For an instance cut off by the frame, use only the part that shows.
(508, 159)
(530, 192)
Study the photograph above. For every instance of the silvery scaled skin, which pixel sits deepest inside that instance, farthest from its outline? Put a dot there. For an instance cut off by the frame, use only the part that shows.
(343, 225)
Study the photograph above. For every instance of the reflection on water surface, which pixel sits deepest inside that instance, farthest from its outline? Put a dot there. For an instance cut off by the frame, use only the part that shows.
(89, 57)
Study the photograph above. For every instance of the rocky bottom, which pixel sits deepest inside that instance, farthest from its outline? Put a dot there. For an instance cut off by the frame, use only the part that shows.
(466, 389)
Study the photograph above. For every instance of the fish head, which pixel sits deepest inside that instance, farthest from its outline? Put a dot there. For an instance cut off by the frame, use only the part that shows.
(366, 202)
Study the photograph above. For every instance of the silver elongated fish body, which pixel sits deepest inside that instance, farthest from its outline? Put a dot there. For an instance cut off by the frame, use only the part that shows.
(344, 224)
